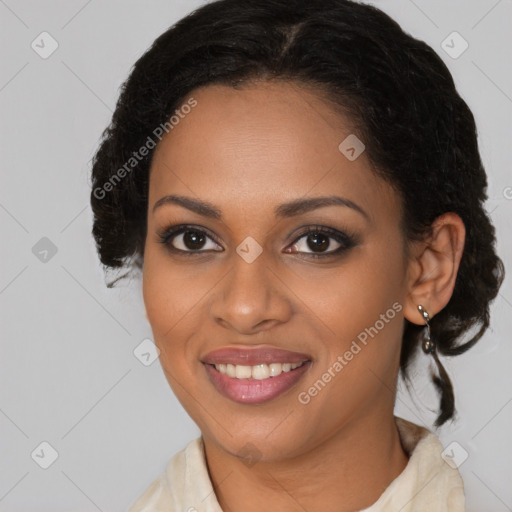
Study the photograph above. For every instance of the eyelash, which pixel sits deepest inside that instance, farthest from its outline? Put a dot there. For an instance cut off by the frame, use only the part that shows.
(347, 240)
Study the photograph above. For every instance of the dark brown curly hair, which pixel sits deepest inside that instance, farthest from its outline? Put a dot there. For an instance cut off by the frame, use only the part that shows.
(419, 133)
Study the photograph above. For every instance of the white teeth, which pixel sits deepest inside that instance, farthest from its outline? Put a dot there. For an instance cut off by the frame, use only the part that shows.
(230, 370)
(258, 372)
(275, 369)
(242, 372)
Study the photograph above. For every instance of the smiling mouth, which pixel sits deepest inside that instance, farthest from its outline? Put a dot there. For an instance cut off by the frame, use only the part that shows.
(258, 371)
(255, 384)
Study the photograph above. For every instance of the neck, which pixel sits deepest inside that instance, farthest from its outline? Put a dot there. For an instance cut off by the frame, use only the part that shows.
(348, 471)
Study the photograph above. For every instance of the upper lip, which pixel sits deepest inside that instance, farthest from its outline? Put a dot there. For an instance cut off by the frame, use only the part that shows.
(254, 355)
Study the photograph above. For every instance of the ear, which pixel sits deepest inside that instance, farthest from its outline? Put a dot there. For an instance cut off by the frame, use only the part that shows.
(433, 266)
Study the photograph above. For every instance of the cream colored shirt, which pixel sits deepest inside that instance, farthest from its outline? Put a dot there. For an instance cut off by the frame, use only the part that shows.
(427, 484)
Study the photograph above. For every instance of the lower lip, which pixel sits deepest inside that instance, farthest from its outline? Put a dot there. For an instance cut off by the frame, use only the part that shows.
(253, 391)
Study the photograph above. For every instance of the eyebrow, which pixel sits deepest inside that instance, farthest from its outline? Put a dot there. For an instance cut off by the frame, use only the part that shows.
(285, 210)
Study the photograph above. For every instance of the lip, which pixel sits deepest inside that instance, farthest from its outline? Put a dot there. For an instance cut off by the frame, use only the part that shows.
(254, 355)
(253, 391)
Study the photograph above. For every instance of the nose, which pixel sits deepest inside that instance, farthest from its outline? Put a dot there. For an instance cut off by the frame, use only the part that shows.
(251, 298)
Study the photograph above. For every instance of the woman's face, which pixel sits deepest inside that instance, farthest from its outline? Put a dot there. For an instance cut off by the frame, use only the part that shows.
(245, 276)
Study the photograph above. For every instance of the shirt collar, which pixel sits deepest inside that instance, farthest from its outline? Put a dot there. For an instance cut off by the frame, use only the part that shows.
(427, 483)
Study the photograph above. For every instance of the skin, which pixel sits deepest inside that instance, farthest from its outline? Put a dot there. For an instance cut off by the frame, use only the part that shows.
(246, 151)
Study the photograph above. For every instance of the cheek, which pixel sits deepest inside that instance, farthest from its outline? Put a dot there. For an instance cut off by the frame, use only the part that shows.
(350, 297)
(167, 294)
(174, 297)
(359, 305)
(167, 297)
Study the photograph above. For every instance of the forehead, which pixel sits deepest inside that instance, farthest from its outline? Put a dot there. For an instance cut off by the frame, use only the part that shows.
(261, 145)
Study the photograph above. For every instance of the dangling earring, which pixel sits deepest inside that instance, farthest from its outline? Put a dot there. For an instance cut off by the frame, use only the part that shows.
(428, 345)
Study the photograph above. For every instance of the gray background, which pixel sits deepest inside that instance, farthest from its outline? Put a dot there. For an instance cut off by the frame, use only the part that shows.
(69, 375)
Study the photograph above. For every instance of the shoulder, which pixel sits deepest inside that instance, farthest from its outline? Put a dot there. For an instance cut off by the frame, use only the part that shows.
(428, 482)
(168, 493)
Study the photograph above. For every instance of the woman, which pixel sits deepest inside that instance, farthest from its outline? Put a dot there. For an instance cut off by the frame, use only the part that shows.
(301, 186)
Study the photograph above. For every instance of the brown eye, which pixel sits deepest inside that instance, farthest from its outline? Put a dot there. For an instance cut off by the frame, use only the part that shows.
(193, 239)
(318, 242)
(187, 239)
